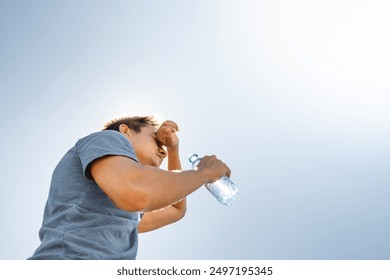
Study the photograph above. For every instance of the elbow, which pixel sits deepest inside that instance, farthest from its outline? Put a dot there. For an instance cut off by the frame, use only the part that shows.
(180, 213)
(181, 216)
(178, 216)
(183, 213)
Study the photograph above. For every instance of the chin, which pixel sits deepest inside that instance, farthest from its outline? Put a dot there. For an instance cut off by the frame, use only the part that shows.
(156, 163)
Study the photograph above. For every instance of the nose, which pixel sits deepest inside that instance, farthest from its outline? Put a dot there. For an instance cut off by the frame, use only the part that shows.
(162, 152)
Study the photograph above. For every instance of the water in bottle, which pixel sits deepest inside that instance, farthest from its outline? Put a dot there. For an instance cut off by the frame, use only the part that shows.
(224, 190)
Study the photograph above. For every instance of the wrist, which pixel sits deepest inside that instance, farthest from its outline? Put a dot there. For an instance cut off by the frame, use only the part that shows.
(173, 159)
(173, 150)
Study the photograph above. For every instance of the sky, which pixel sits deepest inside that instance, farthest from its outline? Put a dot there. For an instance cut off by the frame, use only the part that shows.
(293, 95)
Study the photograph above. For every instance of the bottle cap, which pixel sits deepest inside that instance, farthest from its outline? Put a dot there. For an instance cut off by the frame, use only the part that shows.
(193, 157)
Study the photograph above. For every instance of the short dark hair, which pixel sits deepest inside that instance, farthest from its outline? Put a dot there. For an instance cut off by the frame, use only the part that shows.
(135, 123)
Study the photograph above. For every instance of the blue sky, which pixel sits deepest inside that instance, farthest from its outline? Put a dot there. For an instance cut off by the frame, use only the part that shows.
(292, 95)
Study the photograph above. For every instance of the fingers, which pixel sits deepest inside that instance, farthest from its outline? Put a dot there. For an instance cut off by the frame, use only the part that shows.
(168, 132)
(170, 124)
(165, 132)
(217, 167)
(165, 127)
(228, 172)
(166, 135)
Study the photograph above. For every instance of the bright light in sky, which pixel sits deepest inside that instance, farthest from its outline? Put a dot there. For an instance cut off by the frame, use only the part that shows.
(328, 60)
(344, 39)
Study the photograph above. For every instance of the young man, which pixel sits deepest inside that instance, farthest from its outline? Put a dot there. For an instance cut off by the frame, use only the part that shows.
(108, 188)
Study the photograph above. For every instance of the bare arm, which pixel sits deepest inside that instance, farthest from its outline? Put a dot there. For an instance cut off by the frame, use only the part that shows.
(133, 187)
(173, 213)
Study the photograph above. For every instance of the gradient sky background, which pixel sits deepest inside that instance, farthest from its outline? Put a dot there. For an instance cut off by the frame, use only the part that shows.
(293, 95)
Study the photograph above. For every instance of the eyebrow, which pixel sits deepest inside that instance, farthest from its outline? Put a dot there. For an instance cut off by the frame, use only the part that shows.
(158, 142)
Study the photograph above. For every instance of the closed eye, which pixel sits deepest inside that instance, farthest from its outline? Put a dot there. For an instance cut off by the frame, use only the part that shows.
(158, 142)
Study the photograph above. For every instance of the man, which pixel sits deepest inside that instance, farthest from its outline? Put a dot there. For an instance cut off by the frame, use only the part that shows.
(108, 188)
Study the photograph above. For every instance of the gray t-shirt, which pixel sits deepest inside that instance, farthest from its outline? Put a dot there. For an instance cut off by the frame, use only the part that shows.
(80, 221)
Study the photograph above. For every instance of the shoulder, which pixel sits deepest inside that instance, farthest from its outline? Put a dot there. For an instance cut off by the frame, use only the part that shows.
(101, 144)
(104, 139)
(107, 142)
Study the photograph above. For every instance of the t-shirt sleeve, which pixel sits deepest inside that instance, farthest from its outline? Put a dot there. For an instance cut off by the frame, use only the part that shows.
(100, 144)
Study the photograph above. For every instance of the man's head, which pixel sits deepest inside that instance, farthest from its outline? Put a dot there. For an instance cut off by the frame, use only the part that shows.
(141, 132)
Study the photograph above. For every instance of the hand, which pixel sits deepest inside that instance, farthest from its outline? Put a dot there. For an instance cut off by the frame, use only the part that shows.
(214, 166)
(166, 135)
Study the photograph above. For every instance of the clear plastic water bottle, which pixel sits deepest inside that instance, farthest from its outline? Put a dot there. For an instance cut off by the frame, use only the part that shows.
(224, 190)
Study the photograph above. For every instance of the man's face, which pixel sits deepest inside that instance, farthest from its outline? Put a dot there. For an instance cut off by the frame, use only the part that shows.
(146, 146)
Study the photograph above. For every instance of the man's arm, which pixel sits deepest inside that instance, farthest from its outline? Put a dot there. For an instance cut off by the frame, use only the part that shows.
(173, 213)
(133, 187)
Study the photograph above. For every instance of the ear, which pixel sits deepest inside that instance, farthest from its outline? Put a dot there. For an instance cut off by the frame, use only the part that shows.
(125, 130)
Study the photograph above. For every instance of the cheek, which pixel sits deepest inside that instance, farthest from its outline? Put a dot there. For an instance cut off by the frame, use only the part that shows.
(148, 150)
(145, 147)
